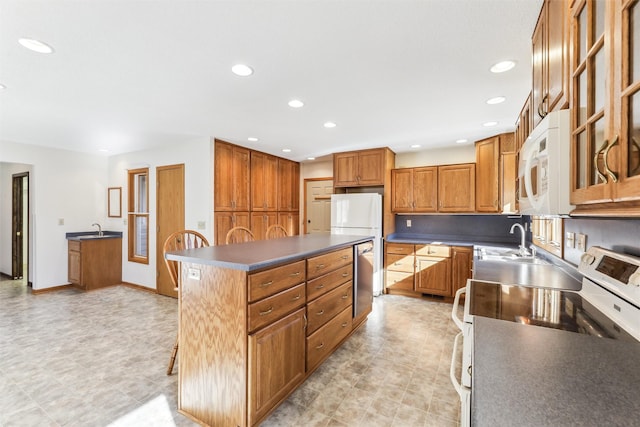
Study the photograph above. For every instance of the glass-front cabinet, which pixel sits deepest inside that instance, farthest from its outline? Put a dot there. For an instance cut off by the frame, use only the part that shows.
(605, 78)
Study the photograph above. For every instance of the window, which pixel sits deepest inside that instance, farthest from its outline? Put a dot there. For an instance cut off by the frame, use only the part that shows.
(547, 233)
(138, 216)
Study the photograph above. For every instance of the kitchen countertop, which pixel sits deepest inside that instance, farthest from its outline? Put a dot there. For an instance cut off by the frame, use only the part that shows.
(513, 273)
(251, 256)
(533, 376)
(93, 235)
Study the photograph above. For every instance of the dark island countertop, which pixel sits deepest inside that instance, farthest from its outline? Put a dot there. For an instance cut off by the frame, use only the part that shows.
(532, 376)
(252, 256)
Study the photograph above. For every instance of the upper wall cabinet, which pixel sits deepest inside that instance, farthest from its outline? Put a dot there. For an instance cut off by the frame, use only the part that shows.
(288, 185)
(605, 138)
(360, 168)
(414, 190)
(457, 188)
(231, 169)
(495, 174)
(264, 182)
(550, 59)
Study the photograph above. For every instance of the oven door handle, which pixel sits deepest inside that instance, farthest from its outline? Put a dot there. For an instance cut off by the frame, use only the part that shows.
(454, 310)
(460, 389)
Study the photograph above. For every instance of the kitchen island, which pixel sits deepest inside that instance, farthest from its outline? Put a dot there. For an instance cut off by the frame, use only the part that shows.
(256, 319)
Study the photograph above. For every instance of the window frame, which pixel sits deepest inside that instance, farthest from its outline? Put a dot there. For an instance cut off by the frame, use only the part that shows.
(136, 212)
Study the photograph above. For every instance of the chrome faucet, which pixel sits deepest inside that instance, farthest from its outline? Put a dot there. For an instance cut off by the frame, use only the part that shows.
(99, 228)
(523, 249)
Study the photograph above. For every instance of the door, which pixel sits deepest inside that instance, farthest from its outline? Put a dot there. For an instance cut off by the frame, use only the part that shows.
(170, 218)
(19, 224)
(317, 194)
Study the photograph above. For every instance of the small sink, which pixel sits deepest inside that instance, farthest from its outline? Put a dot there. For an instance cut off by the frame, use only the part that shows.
(91, 236)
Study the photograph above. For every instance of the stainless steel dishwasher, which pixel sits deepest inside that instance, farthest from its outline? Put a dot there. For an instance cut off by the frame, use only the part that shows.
(363, 278)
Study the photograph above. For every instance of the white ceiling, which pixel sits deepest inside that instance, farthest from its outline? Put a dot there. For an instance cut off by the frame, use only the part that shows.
(133, 75)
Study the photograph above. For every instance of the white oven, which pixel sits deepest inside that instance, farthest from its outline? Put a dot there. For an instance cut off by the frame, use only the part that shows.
(544, 165)
(607, 306)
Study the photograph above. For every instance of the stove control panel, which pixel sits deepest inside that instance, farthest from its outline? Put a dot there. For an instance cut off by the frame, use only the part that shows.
(619, 273)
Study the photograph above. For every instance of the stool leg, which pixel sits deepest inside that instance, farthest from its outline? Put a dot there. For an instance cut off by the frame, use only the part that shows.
(174, 353)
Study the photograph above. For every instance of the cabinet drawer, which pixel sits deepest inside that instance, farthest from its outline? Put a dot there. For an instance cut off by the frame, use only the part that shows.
(434, 250)
(74, 245)
(323, 284)
(399, 280)
(403, 263)
(323, 341)
(399, 248)
(321, 310)
(270, 282)
(323, 264)
(263, 312)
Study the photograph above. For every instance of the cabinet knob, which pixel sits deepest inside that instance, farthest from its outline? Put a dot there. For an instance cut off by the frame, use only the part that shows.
(320, 313)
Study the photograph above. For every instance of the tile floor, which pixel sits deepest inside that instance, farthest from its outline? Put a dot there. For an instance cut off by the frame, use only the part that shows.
(71, 358)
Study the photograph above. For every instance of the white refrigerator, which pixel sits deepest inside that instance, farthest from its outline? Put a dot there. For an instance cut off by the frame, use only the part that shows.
(360, 214)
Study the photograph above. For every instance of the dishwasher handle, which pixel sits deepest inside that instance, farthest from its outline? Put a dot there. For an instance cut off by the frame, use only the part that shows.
(454, 310)
(460, 389)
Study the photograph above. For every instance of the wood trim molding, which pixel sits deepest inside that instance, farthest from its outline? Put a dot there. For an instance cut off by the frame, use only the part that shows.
(52, 289)
(139, 287)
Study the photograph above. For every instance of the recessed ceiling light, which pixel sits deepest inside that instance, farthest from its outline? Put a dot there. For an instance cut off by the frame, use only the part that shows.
(416, 146)
(489, 124)
(2, 86)
(242, 70)
(35, 45)
(329, 125)
(502, 66)
(103, 150)
(311, 158)
(295, 103)
(461, 141)
(496, 100)
(286, 150)
(252, 139)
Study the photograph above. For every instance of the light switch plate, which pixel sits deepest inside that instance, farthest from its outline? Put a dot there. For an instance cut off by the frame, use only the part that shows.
(202, 225)
(60, 221)
(570, 239)
(581, 241)
(408, 223)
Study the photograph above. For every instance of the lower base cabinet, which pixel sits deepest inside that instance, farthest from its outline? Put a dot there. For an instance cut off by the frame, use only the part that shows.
(427, 269)
(276, 363)
(95, 263)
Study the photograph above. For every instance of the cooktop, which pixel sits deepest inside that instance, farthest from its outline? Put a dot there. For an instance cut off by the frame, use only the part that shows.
(544, 307)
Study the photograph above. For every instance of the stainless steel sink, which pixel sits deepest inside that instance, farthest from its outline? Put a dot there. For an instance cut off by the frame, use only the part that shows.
(91, 236)
(507, 255)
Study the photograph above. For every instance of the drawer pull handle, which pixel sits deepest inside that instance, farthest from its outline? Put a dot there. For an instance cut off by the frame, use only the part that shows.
(319, 286)
(318, 347)
(296, 298)
(265, 284)
(264, 313)
(297, 273)
(345, 296)
(345, 274)
(345, 256)
(319, 266)
(397, 263)
(344, 325)
(320, 313)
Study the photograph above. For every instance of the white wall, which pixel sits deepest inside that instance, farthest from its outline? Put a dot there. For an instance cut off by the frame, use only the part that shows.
(64, 185)
(441, 156)
(197, 156)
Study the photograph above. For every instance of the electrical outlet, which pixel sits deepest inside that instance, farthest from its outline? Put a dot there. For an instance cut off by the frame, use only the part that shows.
(408, 223)
(570, 240)
(60, 221)
(202, 225)
(581, 241)
(194, 274)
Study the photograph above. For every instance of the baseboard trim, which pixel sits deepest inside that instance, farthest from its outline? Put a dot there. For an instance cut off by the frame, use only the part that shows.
(139, 287)
(52, 289)
(5, 276)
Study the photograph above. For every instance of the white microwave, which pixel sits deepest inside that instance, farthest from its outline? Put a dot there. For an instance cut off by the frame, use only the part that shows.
(544, 167)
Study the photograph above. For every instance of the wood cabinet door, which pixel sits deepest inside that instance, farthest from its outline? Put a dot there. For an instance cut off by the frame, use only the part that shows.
(290, 221)
(538, 90)
(457, 188)
(225, 221)
(345, 169)
(231, 177)
(433, 275)
(276, 363)
(425, 189)
(461, 266)
(260, 221)
(557, 53)
(402, 190)
(288, 185)
(370, 167)
(264, 182)
(75, 267)
(488, 175)
(509, 180)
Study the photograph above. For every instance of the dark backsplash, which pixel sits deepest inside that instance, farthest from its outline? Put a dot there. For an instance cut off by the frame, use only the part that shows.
(478, 228)
(620, 235)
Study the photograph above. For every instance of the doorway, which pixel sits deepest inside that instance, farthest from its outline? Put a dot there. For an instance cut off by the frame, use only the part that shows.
(317, 196)
(20, 227)
(170, 218)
